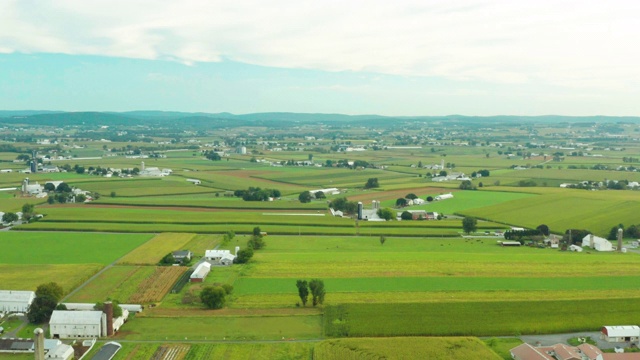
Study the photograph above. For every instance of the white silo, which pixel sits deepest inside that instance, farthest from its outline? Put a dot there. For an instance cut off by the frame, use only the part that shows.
(38, 343)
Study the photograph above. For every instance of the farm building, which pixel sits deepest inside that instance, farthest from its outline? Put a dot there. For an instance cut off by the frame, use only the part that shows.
(15, 301)
(624, 333)
(135, 308)
(557, 351)
(183, 255)
(31, 189)
(597, 243)
(443, 197)
(528, 352)
(66, 324)
(201, 272)
(194, 181)
(220, 257)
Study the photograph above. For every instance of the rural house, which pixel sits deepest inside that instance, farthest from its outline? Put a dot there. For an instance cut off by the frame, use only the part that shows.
(182, 256)
(201, 272)
(15, 301)
(558, 352)
(220, 257)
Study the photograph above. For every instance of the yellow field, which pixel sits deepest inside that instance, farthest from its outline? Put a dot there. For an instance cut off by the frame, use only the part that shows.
(154, 250)
(28, 277)
(156, 286)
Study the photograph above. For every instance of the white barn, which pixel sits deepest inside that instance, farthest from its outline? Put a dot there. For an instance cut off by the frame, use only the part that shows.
(201, 272)
(625, 333)
(443, 197)
(15, 300)
(597, 243)
(220, 257)
(65, 324)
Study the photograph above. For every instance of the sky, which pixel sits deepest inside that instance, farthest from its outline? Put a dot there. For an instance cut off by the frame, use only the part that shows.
(402, 57)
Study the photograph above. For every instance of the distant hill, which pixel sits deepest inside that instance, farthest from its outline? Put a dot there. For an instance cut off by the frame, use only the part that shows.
(217, 120)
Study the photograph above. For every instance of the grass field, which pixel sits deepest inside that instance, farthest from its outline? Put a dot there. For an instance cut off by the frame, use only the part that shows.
(154, 250)
(222, 328)
(28, 277)
(463, 200)
(118, 282)
(404, 348)
(211, 201)
(66, 248)
(475, 318)
(136, 187)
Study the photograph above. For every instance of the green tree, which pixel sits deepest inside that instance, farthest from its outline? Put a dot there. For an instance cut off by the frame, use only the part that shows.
(213, 297)
(244, 255)
(49, 187)
(9, 217)
(303, 291)
(544, 229)
(28, 208)
(257, 231)
(469, 224)
(117, 310)
(304, 197)
(613, 234)
(401, 202)
(51, 289)
(371, 183)
(406, 215)
(51, 200)
(320, 195)
(467, 185)
(317, 291)
(41, 309)
(429, 198)
(63, 188)
(256, 242)
(411, 196)
(113, 194)
(386, 214)
(383, 239)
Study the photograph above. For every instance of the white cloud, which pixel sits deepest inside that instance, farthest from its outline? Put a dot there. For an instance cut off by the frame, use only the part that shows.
(567, 43)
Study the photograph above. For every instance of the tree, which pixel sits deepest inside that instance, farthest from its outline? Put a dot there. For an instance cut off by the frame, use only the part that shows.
(469, 224)
(63, 188)
(383, 239)
(117, 310)
(613, 234)
(401, 202)
(320, 195)
(244, 255)
(406, 215)
(386, 214)
(51, 200)
(303, 291)
(113, 194)
(51, 289)
(429, 198)
(371, 183)
(411, 196)
(544, 229)
(9, 217)
(304, 197)
(41, 309)
(49, 187)
(27, 208)
(257, 231)
(317, 291)
(213, 297)
(467, 185)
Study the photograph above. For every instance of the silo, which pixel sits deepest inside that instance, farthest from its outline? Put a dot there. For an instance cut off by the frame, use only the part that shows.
(108, 310)
(237, 249)
(38, 343)
(620, 231)
(359, 210)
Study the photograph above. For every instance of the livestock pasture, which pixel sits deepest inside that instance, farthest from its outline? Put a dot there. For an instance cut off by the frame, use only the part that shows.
(403, 348)
(154, 250)
(67, 248)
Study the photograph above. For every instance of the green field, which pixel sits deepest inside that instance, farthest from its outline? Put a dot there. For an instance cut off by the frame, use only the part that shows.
(463, 200)
(403, 348)
(151, 252)
(118, 283)
(28, 277)
(66, 248)
(223, 328)
(474, 318)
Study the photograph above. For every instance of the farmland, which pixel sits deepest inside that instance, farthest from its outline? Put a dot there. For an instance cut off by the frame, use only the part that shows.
(154, 250)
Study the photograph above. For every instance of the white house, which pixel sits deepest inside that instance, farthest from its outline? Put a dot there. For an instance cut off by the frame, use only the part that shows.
(201, 272)
(597, 243)
(220, 257)
(623, 333)
(15, 301)
(65, 324)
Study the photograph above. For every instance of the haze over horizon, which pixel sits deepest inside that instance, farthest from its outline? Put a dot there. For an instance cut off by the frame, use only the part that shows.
(412, 58)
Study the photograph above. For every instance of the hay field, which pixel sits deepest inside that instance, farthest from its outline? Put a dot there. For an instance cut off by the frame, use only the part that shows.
(151, 252)
(28, 277)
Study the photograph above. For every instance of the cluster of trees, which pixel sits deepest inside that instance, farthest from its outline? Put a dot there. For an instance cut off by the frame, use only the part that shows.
(386, 213)
(402, 202)
(519, 234)
(214, 297)
(307, 196)
(527, 183)
(46, 300)
(257, 194)
(482, 173)
(315, 287)
(630, 159)
(632, 231)
(467, 185)
(469, 224)
(212, 155)
(344, 205)
(256, 242)
(371, 183)
(28, 213)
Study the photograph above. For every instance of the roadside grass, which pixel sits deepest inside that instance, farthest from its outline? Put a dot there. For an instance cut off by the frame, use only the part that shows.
(474, 318)
(436, 348)
(28, 277)
(66, 248)
(151, 252)
(222, 328)
(501, 346)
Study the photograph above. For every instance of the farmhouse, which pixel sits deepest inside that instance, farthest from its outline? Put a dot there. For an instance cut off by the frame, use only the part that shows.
(182, 256)
(597, 243)
(15, 301)
(624, 333)
(220, 257)
(558, 352)
(201, 272)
